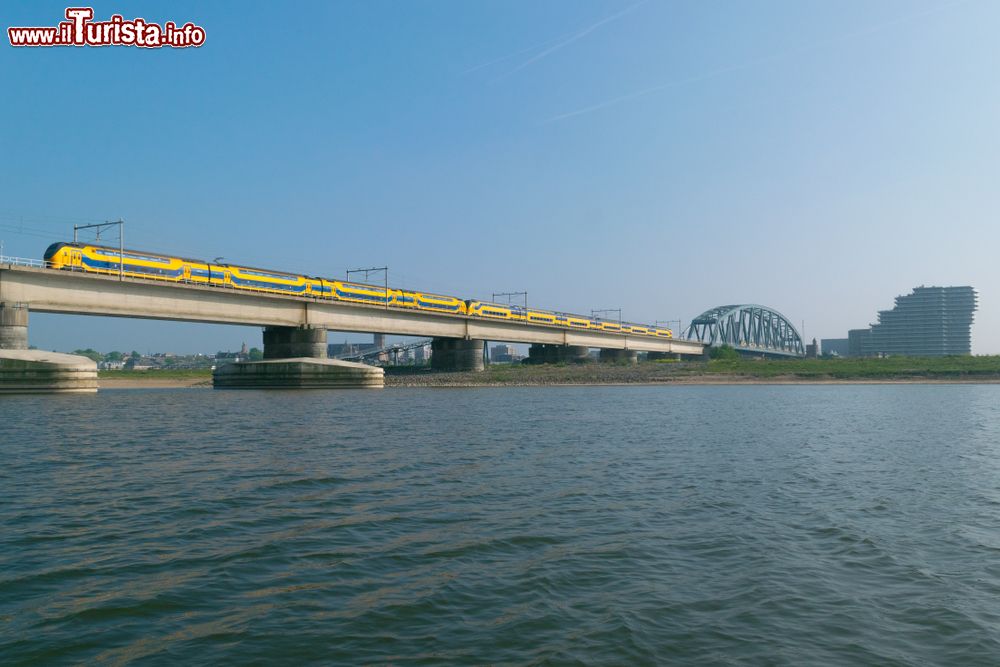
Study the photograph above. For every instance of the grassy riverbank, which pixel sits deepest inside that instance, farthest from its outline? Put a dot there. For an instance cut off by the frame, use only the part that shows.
(899, 369)
(946, 368)
(718, 371)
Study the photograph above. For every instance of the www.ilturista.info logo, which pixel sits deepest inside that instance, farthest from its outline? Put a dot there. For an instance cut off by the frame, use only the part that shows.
(81, 30)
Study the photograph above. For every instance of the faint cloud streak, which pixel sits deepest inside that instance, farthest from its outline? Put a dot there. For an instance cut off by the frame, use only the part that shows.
(753, 63)
(576, 37)
(553, 44)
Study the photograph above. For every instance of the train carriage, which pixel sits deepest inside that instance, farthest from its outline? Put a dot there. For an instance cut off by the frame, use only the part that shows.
(361, 293)
(264, 280)
(499, 311)
(572, 321)
(604, 325)
(426, 301)
(541, 317)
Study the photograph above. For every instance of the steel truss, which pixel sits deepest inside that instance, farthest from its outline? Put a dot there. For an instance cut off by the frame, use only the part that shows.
(748, 328)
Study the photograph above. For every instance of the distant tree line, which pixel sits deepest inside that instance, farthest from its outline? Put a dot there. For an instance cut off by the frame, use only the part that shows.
(254, 353)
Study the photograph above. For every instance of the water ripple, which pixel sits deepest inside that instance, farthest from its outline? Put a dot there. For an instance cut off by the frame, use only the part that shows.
(573, 525)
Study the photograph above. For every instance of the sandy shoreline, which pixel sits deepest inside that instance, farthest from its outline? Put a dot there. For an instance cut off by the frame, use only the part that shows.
(154, 383)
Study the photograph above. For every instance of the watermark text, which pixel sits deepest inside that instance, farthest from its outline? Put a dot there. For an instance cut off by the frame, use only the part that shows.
(79, 29)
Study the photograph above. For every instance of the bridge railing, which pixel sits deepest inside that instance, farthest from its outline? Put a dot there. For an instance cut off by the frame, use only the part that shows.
(25, 261)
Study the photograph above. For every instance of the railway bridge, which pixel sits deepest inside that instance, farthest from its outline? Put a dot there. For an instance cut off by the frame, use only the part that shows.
(294, 326)
(749, 329)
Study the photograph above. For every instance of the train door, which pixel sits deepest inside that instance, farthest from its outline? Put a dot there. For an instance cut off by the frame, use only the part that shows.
(187, 273)
(76, 259)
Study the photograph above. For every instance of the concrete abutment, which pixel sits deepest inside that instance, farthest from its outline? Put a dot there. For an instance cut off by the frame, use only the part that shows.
(300, 373)
(295, 358)
(24, 371)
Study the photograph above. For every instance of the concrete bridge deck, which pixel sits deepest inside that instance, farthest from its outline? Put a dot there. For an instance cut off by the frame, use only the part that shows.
(52, 291)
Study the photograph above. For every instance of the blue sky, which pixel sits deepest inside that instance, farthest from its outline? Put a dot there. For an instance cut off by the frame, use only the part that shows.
(661, 157)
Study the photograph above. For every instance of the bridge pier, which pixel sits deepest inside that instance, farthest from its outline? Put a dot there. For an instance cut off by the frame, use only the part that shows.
(555, 354)
(24, 371)
(457, 354)
(295, 358)
(13, 326)
(294, 342)
(619, 356)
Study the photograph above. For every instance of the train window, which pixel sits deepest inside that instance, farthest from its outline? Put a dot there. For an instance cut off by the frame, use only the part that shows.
(129, 255)
(264, 274)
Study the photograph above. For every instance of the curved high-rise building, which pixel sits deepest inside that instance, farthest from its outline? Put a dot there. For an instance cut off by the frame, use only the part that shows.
(929, 322)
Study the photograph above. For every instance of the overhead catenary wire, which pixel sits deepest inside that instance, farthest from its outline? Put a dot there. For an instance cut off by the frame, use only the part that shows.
(54, 228)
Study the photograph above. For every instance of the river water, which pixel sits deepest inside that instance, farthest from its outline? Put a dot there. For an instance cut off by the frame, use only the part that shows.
(592, 525)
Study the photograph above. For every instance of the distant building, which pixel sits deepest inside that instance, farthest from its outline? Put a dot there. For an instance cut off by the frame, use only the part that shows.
(838, 347)
(422, 354)
(504, 353)
(812, 350)
(929, 322)
(859, 342)
(334, 350)
(139, 364)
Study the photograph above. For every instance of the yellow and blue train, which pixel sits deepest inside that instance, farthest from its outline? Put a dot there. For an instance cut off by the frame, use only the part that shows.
(134, 264)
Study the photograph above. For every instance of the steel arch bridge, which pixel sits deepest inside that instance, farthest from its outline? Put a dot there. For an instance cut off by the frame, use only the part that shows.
(748, 328)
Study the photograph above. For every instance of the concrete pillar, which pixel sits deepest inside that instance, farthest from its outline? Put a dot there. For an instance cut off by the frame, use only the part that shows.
(619, 356)
(536, 354)
(13, 326)
(554, 354)
(457, 354)
(294, 342)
